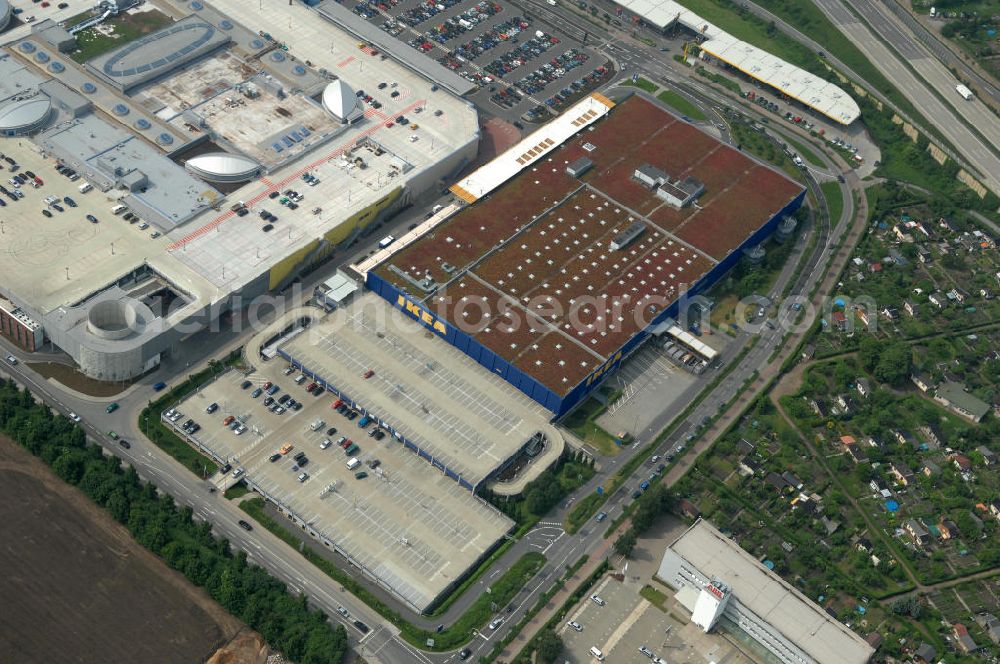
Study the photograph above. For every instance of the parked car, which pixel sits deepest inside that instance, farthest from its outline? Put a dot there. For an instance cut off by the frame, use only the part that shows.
(245, 526)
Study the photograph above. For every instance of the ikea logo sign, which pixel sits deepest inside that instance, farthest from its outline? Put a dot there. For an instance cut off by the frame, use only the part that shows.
(424, 317)
(605, 368)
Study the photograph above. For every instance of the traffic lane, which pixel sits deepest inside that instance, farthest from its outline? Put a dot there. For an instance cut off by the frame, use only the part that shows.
(888, 30)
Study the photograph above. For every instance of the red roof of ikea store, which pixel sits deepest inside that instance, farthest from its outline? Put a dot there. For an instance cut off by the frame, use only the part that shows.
(532, 276)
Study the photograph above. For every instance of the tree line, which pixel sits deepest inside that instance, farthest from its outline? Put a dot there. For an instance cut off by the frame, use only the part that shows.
(247, 591)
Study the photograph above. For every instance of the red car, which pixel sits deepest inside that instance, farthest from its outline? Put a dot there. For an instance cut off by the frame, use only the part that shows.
(337, 404)
(310, 387)
(229, 420)
(369, 374)
(266, 385)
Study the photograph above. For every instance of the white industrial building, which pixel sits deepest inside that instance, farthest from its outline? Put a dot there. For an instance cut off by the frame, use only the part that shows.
(806, 88)
(719, 582)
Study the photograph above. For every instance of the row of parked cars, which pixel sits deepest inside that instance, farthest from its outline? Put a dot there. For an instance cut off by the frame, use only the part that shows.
(425, 11)
(556, 68)
(490, 39)
(518, 57)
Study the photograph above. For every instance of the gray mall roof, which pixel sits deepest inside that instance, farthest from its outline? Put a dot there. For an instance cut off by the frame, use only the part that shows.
(108, 156)
(158, 53)
(15, 78)
(400, 51)
(769, 597)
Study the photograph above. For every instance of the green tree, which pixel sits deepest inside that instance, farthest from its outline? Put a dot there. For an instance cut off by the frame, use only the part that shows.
(549, 647)
(625, 543)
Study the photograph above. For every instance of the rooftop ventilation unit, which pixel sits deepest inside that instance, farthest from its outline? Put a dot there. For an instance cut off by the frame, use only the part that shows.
(627, 236)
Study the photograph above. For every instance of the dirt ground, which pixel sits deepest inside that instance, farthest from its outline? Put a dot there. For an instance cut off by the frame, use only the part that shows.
(76, 588)
(73, 379)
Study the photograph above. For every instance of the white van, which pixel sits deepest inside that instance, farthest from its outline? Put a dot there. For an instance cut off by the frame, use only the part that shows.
(85, 187)
(386, 241)
(317, 425)
(118, 209)
(353, 463)
(598, 655)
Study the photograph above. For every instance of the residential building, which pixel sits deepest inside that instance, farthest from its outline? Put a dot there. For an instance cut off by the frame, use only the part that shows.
(963, 641)
(917, 532)
(863, 386)
(947, 529)
(901, 472)
(911, 307)
(989, 458)
(991, 625)
(844, 403)
(904, 437)
(930, 469)
(839, 320)
(932, 435)
(937, 299)
(961, 462)
(925, 654)
(922, 381)
(953, 396)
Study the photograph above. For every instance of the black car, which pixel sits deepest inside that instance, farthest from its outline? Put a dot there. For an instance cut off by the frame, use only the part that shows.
(69, 201)
(299, 456)
(46, 213)
(226, 468)
(465, 654)
(245, 384)
(268, 401)
(283, 399)
(124, 443)
(297, 406)
(91, 218)
(331, 431)
(352, 415)
(363, 628)
(245, 526)
(383, 85)
(30, 174)
(274, 457)
(274, 194)
(267, 228)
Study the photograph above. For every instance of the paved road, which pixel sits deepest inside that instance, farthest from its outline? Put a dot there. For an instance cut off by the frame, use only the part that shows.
(949, 55)
(383, 643)
(944, 118)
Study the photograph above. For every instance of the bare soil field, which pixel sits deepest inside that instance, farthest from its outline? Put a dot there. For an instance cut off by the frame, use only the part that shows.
(75, 586)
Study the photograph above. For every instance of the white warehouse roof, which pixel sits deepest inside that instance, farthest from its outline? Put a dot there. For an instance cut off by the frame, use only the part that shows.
(341, 101)
(533, 147)
(812, 91)
(769, 597)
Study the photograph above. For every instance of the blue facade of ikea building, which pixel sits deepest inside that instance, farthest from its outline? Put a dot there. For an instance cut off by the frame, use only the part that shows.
(562, 404)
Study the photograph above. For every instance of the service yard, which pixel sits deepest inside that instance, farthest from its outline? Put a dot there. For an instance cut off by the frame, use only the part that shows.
(626, 623)
(82, 590)
(519, 62)
(349, 479)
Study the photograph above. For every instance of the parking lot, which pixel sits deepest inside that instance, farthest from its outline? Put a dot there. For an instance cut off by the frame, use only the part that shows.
(520, 63)
(627, 622)
(415, 532)
(53, 244)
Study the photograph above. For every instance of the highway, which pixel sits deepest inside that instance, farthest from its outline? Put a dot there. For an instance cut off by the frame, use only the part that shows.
(942, 52)
(383, 643)
(977, 152)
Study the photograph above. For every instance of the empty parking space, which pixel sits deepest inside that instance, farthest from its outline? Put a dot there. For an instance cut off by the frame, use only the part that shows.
(414, 532)
(648, 383)
(627, 622)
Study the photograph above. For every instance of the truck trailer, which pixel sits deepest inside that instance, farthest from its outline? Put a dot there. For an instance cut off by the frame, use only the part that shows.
(964, 91)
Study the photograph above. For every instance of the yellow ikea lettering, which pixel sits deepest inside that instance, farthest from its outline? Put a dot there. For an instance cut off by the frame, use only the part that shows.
(604, 369)
(423, 316)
